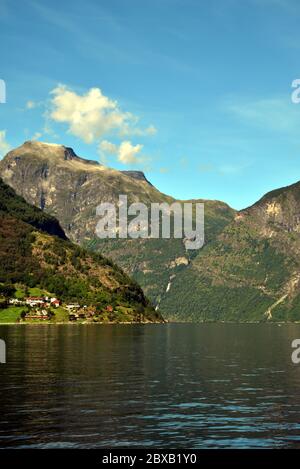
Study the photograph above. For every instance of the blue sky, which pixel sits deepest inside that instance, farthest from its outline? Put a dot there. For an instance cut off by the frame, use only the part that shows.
(196, 93)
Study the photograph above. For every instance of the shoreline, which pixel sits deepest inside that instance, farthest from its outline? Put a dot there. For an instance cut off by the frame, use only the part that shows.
(145, 323)
(74, 323)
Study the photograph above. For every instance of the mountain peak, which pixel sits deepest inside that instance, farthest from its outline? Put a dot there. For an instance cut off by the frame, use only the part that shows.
(50, 150)
(139, 175)
(58, 155)
(279, 204)
(55, 179)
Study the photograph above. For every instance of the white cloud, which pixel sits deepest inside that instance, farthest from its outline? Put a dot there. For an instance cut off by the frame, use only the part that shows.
(34, 104)
(151, 130)
(276, 114)
(228, 169)
(108, 147)
(36, 136)
(92, 115)
(30, 105)
(4, 145)
(129, 153)
(126, 152)
(164, 170)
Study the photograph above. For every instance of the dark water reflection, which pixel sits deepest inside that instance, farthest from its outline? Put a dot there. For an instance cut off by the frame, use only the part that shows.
(167, 386)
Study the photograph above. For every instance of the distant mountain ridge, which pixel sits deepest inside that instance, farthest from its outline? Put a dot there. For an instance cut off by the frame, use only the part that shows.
(251, 271)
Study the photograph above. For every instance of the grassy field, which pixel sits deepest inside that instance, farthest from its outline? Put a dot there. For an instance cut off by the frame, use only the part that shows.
(61, 315)
(11, 314)
(20, 292)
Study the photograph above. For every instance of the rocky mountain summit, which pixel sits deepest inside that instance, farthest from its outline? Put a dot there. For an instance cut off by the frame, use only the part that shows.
(55, 179)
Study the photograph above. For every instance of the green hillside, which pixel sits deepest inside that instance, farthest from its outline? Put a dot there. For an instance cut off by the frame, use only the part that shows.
(36, 258)
(251, 272)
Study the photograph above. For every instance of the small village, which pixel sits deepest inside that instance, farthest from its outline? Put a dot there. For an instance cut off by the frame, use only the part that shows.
(43, 308)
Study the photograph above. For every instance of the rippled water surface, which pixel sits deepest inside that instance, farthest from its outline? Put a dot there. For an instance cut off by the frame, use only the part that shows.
(167, 386)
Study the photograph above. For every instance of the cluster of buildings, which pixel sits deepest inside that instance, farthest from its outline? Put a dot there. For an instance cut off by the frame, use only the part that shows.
(85, 312)
(40, 308)
(77, 312)
(36, 301)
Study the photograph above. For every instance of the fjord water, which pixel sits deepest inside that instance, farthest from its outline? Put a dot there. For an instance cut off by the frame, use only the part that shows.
(166, 386)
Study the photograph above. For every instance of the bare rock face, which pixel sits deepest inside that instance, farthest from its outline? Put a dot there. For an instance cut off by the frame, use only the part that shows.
(278, 209)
